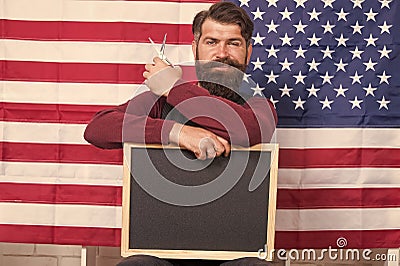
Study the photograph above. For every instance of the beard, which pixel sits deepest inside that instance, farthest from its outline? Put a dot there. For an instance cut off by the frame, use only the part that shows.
(222, 77)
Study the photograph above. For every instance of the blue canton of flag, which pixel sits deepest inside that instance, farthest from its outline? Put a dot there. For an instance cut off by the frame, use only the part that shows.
(327, 63)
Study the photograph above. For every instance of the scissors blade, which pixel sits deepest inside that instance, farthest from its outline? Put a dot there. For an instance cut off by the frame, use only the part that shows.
(154, 46)
(162, 50)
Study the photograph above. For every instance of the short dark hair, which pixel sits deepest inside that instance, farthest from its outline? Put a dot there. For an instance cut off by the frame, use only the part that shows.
(224, 13)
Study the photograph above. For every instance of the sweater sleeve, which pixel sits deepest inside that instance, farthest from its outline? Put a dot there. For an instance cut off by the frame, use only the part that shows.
(134, 121)
(245, 125)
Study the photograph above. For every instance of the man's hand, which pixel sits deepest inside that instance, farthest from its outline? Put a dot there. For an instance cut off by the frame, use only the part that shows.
(161, 77)
(203, 143)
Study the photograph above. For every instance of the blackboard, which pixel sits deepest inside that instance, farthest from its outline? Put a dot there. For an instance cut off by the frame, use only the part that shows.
(214, 209)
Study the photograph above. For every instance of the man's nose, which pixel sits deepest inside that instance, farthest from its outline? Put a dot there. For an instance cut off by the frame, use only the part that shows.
(222, 50)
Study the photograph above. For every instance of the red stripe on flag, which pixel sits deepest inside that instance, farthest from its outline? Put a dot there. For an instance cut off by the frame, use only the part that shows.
(37, 234)
(72, 72)
(339, 157)
(58, 153)
(48, 113)
(61, 194)
(325, 239)
(80, 153)
(112, 237)
(287, 198)
(96, 31)
(338, 198)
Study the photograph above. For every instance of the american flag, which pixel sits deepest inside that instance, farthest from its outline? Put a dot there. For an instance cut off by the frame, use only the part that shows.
(329, 67)
(63, 60)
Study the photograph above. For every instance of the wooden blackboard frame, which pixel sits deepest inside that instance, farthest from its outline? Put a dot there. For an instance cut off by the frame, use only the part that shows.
(199, 254)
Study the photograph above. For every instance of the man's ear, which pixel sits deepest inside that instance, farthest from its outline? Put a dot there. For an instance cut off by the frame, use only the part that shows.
(194, 46)
(249, 51)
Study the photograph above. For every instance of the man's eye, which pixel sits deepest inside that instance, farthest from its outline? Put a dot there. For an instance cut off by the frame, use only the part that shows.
(210, 42)
(235, 43)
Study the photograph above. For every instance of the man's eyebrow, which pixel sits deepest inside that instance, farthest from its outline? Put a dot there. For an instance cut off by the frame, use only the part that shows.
(217, 39)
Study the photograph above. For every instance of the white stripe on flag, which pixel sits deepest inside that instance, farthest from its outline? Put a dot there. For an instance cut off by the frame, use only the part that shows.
(128, 11)
(60, 215)
(61, 173)
(90, 52)
(103, 174)
(67, 93)
(286, 220)
(337, 219)
(338, 178)
(43, 132)
(338, 137)
(314, 138)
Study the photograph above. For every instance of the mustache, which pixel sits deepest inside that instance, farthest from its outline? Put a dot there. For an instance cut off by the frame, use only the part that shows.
(226, 61)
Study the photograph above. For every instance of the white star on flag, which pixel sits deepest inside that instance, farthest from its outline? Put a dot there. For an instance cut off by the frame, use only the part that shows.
(356, 78)
(356, 103)
(285, 90)
(286, 64)
(300, 3)
(313, 65)
(328, 3)
(384, 78)
(384, 52)
(326, 103)
(299, 78)
(341, 91)
(286, 14)
(370, 90)
(314, 15)
(300, 52)
(385, 3)
(272, 52)
(286, 40)
(385, 28)
(299, 103)
(342, 15)
(258, 64)
(257, 90)
(258, 14)
(312, 91)
(328, 27)
(258, 39)
(300, 27)
(327, 52)
(327, 78)
(370, 65)
(272, 26)
(314, 40)
(371, 40)
(357, 28)
(356, 53)
(271, 77)
(341, 40)
(341, 66)
(371, 15)
(357, 3)
(383, 103)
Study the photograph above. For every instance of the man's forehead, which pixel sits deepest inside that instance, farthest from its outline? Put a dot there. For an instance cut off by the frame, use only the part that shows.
(212, 27)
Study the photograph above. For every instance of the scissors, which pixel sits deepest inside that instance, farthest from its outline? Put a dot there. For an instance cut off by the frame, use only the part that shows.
(162, 50)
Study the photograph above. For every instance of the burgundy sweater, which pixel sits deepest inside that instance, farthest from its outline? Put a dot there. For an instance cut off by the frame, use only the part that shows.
(139, 119)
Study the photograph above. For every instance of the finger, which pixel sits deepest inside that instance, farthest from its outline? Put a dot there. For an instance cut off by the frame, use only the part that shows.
(210, 151)
(201, 155)
(157, 60)
(148, 66)
(146, 74)
(225, 144)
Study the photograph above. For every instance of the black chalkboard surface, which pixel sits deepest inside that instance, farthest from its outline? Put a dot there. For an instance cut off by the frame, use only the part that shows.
(175, 206)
